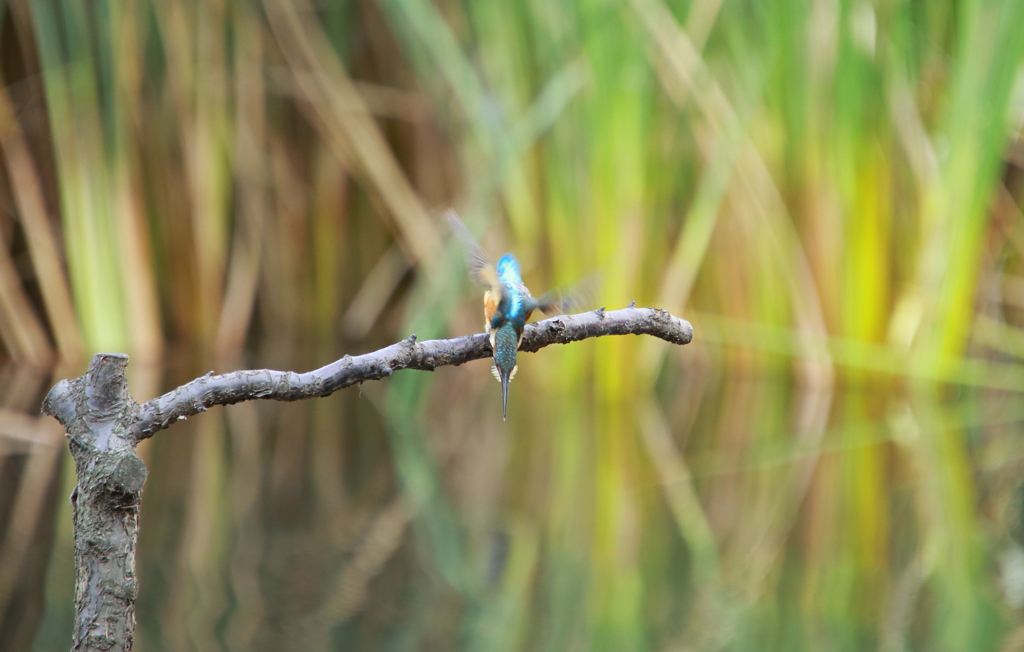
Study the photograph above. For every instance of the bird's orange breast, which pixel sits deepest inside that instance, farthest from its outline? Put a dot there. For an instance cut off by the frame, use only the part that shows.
(490, 306)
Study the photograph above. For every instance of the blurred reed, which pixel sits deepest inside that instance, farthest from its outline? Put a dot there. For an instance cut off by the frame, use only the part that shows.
(830, 191)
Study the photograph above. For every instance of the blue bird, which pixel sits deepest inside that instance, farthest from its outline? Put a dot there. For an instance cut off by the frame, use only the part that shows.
(508, 304)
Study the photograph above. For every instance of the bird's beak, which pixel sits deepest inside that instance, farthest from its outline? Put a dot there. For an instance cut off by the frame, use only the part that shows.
(504, 395)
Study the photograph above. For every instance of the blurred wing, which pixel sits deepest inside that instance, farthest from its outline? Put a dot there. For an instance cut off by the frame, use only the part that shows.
(480, 269)
(559, 302)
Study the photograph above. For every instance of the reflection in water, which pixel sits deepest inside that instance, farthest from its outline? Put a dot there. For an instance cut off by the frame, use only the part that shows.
(31, 458)
(763, 515)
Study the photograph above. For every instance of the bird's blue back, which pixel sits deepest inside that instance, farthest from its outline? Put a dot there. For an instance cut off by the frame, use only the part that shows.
(512, 307)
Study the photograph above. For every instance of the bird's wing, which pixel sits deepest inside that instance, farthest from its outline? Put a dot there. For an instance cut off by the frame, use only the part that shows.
(559, 302)
(479, 267)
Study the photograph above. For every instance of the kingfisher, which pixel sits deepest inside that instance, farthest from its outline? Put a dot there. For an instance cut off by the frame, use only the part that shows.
(508, 304)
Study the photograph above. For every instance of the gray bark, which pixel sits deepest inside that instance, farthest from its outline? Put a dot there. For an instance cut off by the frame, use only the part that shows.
(104, 425)
(96, 411)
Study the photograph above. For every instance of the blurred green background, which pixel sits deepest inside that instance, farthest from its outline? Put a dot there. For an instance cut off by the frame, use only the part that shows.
(829, 190)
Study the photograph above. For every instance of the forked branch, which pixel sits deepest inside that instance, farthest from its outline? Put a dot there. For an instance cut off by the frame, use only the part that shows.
(104, 425)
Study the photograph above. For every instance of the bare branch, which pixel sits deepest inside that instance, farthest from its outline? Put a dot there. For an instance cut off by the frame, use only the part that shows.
(209, 390)
(104, 424)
